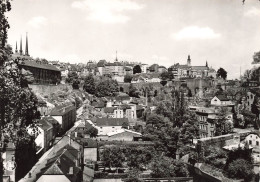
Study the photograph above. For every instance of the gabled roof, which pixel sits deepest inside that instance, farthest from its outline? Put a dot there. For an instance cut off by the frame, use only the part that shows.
(62, 162)
(112, 121)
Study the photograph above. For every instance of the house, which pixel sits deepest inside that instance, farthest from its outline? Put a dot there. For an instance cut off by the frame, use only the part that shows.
(55, 124)
(44, 135)
(212, 73)
(65, 114)
(107, 125)
(144, 68)
(65, 166)
(124, 135)
(221, 100)
(90, 150)
(253, 140)
(252, 95)
(98, 105)
(206, 117)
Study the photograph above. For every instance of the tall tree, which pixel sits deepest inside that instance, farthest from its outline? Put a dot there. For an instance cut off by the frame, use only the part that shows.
(137, 69)
(18, 105)
(222, 73)
(89, 84)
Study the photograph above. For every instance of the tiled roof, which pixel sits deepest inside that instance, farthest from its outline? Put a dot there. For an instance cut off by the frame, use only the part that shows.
(62, 109)
(34, 64)
(183, 66)
(111, 121)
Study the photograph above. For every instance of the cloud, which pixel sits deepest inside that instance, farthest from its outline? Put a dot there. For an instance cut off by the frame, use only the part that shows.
(107, 11)
(252, 12)
(195, 32)
(37, 22)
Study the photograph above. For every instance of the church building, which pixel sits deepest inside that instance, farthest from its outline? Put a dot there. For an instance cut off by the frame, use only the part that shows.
(43, 72)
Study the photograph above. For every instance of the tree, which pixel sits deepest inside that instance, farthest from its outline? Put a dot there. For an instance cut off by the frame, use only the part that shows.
(255, 72)
(247, 74)
(113, 157)
(93, 132)
(75, 84)
(167, 75)
(106, 87)
(18, 105)
(162, 167)
(133, 91)
(222, 73)
(128, 78)
(89, 84)
(240, 168)
(137, 69)
(72, 76)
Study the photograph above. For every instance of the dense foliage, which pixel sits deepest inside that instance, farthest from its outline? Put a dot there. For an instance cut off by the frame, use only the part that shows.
(128, 78)
(100, 87)
(222, 73)
(137, 69)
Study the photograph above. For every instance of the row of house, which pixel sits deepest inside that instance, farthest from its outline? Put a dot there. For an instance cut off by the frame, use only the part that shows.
(208, 116)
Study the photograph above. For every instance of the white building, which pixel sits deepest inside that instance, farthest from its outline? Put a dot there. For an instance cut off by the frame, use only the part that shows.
(107, 125)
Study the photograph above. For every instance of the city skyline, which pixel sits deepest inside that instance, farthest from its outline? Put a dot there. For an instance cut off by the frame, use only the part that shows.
(140, 31)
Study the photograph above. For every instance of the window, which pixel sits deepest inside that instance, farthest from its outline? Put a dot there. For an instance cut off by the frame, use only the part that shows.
(257, 143)
(250, 142)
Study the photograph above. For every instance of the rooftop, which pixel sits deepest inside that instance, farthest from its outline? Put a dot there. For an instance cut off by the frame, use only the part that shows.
(112, 121)
(35, 64)
(62, 109)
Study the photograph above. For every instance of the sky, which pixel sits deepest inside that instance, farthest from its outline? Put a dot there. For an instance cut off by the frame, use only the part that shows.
(224, 33)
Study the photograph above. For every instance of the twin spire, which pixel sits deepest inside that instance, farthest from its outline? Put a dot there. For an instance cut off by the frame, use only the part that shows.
(21, 47)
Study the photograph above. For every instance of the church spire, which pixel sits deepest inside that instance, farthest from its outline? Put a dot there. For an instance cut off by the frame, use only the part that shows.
(21, 48)
(26, 46)
(116, 57)
(16, 51)
(188, 61)
(207, 64)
